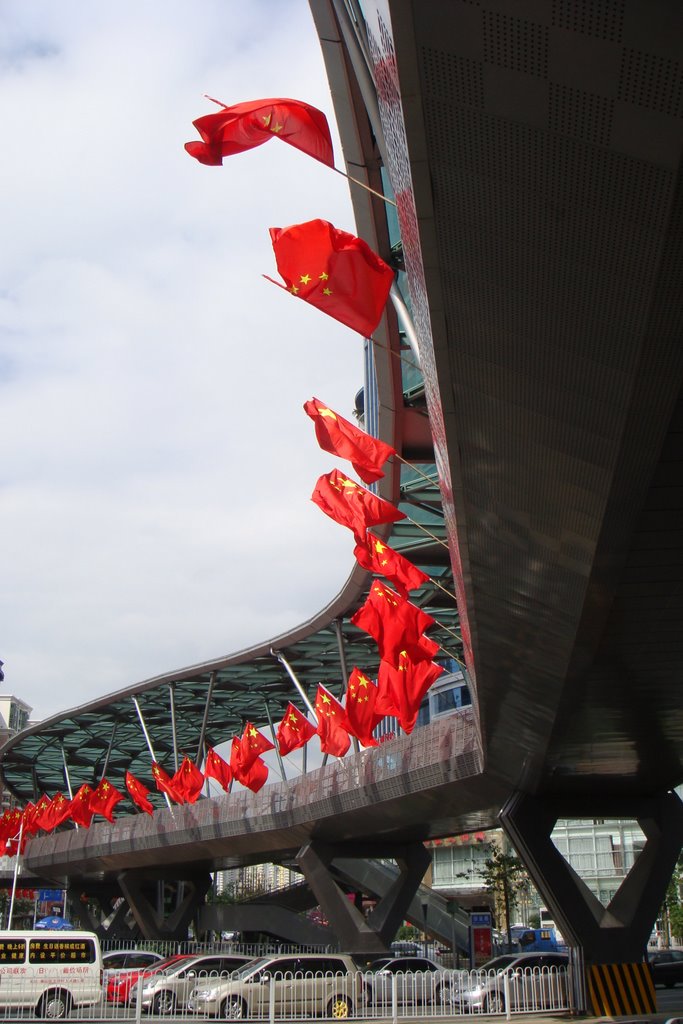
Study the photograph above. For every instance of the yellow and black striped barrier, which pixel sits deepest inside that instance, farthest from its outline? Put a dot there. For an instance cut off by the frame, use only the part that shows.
(616, 990)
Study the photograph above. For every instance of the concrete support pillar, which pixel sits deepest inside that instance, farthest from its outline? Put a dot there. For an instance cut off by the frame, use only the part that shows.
(150, 917)
(111, 923)
(619, 932)
(355, 933)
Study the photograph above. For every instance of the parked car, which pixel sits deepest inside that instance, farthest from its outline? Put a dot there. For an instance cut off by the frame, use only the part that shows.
(167, 988)
(48, 974)
(419, 980)
(534, 981)
(308, 984)
(121, 986)
(116, 960)
(666, 966)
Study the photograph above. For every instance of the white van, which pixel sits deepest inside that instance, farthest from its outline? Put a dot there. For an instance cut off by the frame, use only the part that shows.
(49, 972)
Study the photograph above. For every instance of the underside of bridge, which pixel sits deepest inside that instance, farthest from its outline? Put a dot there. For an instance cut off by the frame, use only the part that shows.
(533, 151)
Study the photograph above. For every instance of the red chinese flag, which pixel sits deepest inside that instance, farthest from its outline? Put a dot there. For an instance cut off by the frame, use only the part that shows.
(57, 811)
(5, 824)
(340, 437)
(256, 777)
(81, 811)
(408, 684)
(252, 745)
(216, 768)
(27, 819)
(139, 793)
(12, 829)
(351, 505)
(361, 697)
(38, 811)
(396, 625)
(244, 126)
(332, 724)
(333, 271)
(104, 799)
(375, 555)
(236, 758)
(293, 731)
(165, 783)
(188, 781)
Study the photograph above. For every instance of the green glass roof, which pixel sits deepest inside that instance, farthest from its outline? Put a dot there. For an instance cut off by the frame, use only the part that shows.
(107, 735)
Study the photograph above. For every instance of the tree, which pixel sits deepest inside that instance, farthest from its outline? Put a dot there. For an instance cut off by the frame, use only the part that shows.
(504, 876)
(671, 913)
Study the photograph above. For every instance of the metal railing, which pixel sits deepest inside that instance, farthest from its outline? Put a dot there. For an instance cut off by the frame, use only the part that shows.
(275, 996)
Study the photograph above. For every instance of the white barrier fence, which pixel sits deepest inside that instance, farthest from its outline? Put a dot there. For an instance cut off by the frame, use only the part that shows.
(293, 997)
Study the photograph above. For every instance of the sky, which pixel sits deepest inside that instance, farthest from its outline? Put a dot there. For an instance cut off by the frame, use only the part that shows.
(156, 464)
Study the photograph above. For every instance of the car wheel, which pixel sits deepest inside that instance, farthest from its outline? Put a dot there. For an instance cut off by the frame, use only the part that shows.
(233, 1008)
(164, 1003)
(54, 1005)
(339, 1007)
(494, 1003)
(443, 995)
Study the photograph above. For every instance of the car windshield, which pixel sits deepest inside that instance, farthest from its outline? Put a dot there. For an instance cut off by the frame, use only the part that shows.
(380, 965)
(165, 965)
(499, 963)
(253, 966)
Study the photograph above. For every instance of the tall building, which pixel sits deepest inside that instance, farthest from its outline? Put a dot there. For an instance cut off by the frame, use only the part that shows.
(14, 716)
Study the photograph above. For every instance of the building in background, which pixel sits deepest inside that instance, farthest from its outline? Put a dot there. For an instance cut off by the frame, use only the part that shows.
(15, 715)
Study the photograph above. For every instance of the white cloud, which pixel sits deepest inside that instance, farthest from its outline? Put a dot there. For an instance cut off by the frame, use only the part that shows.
(156, 464)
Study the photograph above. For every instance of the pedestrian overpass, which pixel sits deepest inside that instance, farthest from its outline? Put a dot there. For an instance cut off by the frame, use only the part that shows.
(534, 156)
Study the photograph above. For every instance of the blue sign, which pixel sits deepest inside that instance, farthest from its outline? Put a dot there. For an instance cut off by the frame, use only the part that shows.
(49, 895)
(480, 920)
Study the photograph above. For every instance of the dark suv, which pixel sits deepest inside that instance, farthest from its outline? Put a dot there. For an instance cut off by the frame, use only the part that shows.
(667, 967)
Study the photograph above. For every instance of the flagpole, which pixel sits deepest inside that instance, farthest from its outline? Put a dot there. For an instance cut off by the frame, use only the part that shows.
(171, 698)
(149, 743)
(16, 873)
(411, 465)
(380, 195)
(290, 672)
(387, 348)
(344, 668)
(451, 655)
(275, 743)
(205, 719)
(420, 526)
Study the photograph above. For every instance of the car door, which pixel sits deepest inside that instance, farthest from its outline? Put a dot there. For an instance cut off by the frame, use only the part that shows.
(551, 982)
(284, 975)
(197, 973)
(412, 984)
(525, 984)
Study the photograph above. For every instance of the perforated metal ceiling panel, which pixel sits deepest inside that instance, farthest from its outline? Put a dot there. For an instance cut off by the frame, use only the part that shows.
(541, 223)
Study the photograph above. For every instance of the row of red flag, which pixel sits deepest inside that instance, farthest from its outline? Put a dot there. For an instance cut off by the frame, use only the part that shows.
(339, 274)
(328, 268)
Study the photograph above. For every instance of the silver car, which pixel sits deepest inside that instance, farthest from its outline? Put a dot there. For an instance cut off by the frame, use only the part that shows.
(419, 980)
(301, 985)
(165, 991)
(530, 981)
